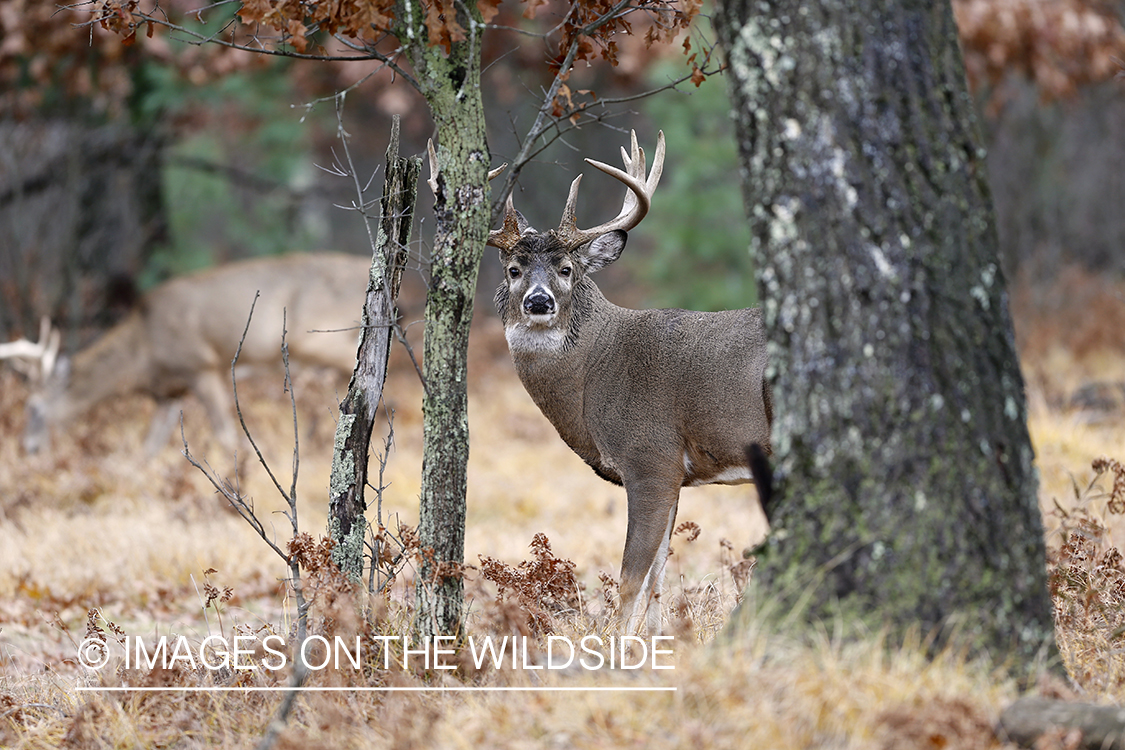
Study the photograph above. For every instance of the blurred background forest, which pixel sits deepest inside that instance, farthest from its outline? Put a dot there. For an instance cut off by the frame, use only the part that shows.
(124, 164)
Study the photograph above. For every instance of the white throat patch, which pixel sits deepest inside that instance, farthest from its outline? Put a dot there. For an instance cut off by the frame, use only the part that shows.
(524, 338)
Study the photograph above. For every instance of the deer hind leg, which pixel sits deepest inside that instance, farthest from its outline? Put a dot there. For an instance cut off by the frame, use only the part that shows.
(652, 515)
(654, 581)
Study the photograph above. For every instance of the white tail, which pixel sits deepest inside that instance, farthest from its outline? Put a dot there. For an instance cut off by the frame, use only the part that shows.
(652, 399)
(185, 332)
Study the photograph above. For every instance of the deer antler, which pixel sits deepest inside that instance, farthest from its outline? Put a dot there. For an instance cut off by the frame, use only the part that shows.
(45, 353)
(505, 237)
(432, 182)
(637, 199)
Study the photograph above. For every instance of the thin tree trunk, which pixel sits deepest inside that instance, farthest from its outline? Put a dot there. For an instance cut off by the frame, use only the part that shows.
(451, 83)
(346, 523)
(906, 492)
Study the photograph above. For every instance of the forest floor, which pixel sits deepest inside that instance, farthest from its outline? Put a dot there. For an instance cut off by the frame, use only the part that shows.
(94, 533)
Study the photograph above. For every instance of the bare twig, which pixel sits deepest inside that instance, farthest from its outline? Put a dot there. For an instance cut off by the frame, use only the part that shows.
(400, 334)
(245, 507)
(548, 128)
(277, 724)
(360, 204)
(382, 574)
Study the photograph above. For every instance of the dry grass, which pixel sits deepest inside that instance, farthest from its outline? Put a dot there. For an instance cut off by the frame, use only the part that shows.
(95, 525)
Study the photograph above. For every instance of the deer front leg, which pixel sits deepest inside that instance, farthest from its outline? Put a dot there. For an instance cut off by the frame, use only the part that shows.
(164, 420)
(652, 515)
(211, 389)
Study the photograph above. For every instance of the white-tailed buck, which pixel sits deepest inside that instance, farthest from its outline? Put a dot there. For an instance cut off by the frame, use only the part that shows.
(185, 332)
(652, 399)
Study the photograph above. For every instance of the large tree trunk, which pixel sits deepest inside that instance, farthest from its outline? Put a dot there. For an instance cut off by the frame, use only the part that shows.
(906, 492)
(451, 83)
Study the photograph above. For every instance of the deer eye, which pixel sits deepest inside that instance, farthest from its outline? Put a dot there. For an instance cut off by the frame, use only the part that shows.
(565, 271)
(514, 272)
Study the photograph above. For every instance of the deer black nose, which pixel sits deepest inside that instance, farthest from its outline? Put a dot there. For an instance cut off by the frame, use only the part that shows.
(538, 304)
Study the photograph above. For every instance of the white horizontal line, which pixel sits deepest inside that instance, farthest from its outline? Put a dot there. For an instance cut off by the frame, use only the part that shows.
(461, 689)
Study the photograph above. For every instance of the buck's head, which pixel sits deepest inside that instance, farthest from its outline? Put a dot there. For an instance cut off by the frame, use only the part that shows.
(539, 300)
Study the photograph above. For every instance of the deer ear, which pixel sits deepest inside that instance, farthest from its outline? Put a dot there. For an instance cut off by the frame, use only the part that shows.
(603, 250)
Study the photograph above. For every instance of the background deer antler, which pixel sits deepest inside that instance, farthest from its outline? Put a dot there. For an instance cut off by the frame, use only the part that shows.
(43, 353)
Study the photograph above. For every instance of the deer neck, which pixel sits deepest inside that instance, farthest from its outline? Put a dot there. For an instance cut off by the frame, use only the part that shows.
(115, 364)
(555, 376)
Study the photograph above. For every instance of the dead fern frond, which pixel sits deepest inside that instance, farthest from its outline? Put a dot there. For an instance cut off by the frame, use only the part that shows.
(1086, 577)
(544, 586)
(1116, 500)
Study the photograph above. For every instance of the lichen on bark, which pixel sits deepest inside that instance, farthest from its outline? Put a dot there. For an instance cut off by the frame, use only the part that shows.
(347, 525)
(450, 81)
(908, 494)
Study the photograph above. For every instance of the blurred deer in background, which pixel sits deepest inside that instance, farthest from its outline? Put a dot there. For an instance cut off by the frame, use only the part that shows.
(652, 399)
(183, 335)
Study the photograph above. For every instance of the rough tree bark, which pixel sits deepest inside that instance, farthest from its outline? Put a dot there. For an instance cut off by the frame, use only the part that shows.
(906, 492)
(449, 78)
(346, 523)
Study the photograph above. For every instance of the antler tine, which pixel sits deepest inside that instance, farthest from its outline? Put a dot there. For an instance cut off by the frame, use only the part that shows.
(637, 200)
(50, 346)
(508, 235)
(21, 349)
(44, 352)
(568, 216)
(634, 160)
(45, 329)
(432, 182)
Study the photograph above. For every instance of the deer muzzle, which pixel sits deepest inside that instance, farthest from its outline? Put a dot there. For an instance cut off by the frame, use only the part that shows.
(539, 302)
